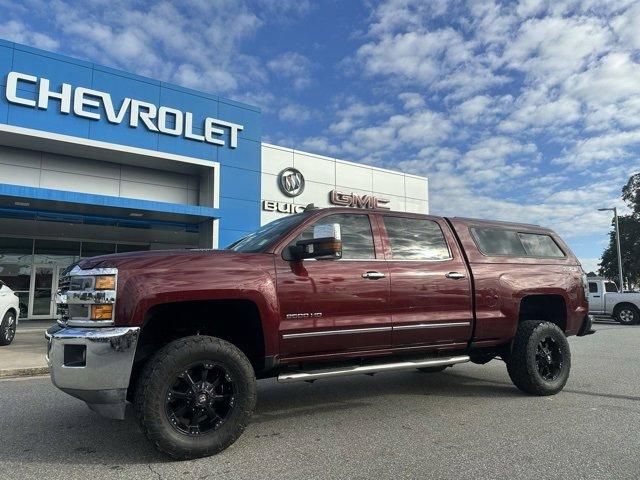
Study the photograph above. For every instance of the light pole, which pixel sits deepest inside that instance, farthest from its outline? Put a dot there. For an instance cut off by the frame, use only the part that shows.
(615, 216)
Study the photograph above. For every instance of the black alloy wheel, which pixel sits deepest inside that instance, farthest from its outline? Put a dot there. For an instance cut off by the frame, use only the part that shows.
(549, 359)
(194, 397)
(540, 359)
(200, 399)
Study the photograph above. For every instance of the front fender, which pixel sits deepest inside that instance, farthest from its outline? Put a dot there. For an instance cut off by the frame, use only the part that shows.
(230, 278)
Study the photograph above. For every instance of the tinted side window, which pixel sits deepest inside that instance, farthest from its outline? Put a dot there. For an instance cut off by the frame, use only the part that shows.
(610, 287)
(540, 245)
(593, 287)
(415, 239)
(493, 241)
(355, 230)
(496, 241)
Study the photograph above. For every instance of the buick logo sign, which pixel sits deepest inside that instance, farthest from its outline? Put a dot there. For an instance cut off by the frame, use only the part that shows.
(291, 182)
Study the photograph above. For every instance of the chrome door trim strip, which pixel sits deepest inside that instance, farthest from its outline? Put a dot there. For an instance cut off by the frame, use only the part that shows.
(336, 332)
(431, 325)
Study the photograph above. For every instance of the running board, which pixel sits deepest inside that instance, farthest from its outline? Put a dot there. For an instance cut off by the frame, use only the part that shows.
(370, 369)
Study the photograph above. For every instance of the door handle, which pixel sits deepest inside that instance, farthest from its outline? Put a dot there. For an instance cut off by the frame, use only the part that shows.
(595, 296)
(373, 275)
(455, 275)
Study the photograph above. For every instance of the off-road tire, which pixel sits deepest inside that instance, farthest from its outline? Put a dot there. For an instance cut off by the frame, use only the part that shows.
(522, 365)
(626, 314)
(433, 369)
(8, 328)
(154, 383)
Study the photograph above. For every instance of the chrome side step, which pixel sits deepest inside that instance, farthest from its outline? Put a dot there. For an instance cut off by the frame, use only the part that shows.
(370, 369)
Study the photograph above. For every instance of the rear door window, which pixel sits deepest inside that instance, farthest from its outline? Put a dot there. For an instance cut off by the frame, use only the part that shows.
(416, 239)
(610, 287)
(497, 241)
(593, 287)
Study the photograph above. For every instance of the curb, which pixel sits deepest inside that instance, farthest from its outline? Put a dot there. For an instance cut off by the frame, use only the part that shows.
(24, 372)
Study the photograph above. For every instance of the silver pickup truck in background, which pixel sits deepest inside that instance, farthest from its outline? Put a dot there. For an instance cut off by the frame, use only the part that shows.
(605, 300)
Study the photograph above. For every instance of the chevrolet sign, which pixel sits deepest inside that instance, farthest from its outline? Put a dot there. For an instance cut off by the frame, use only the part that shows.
(85, 102)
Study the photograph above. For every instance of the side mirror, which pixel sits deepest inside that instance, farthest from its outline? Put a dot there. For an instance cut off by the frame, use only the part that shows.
(326, 244)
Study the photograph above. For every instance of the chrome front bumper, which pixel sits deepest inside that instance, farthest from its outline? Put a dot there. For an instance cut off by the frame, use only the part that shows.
(93, 364)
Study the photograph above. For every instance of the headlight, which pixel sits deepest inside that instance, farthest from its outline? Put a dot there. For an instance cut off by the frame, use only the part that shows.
(105, 282)
(86, 298)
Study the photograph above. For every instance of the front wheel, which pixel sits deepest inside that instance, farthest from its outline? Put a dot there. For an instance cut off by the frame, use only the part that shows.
(8, 328)
(627, 315)
(195, 397)
(540, 359)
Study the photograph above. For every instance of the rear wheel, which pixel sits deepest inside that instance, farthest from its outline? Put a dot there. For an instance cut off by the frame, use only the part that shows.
(8, 328)
(195, 397)
(540, 359)
(627, 314)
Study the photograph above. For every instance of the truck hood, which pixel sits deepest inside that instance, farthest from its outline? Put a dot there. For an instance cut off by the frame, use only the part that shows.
(157, 258)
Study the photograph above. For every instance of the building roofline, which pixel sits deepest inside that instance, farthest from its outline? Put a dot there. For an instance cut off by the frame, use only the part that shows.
(346, 162)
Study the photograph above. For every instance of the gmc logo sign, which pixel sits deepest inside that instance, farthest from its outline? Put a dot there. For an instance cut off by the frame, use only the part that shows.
(357, 201)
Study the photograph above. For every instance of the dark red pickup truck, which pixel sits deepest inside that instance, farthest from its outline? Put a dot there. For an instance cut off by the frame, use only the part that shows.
(328, 292)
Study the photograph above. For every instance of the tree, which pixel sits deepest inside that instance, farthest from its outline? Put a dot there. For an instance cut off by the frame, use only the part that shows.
(630, 249)
(629, 238)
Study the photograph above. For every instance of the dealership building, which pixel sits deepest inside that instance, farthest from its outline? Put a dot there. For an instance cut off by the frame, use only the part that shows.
(95, 161)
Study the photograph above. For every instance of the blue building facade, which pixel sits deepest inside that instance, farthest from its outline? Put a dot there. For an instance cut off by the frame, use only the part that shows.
(237, 200)
(95, 160)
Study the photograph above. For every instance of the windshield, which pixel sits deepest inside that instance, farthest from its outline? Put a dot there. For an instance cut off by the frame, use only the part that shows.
(263, 237)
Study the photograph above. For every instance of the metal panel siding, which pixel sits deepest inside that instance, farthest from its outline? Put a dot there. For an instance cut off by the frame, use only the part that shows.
(227, 237)
(201, 107)
(239, 214)
(121, 87)
(6, 60)
(4, 108)
(249, 119)
(105, 200)
(58, 72)
(247, 155)
(19, 175)
(239, 187)
(75, 182)
(242, 184)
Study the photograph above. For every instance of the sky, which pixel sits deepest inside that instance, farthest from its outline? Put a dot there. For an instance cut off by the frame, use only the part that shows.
(525, 111)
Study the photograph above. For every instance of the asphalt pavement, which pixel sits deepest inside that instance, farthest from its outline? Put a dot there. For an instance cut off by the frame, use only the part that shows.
(467, 422)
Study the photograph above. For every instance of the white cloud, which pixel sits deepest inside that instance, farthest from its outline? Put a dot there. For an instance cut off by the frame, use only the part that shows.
(294, 67)
(189, 43)
(412, 100)
(17, 31)
(352, 114)
(550, 49)
(295, 113)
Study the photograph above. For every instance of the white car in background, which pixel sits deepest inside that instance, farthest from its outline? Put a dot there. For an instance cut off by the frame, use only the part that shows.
(606, 301)
(9, 308)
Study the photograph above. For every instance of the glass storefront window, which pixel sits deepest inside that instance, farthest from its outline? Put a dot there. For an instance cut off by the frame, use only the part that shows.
(42, 290)
(125, 247)
(16, 257)
(93, 249)
(59, 252)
